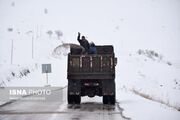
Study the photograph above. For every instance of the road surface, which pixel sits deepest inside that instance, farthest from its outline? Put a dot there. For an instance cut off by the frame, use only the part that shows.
(89, 109)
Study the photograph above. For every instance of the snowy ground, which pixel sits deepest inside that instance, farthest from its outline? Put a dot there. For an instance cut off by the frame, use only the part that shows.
(151, 88)
(145, 35)
(139, 108)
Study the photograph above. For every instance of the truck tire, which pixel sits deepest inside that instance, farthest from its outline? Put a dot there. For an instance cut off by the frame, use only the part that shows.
(112, 99)
(77, 99)
(109, 99)
(105, 99)
(74, 99)
(70, 99)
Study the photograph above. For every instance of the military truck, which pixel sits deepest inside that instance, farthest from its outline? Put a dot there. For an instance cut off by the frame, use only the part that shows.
(91, 74)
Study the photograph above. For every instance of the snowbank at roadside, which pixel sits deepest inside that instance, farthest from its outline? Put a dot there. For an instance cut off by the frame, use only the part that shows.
(139, 108)
(149, 82)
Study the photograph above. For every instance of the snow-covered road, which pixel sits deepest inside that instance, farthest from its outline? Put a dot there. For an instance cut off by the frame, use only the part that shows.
(89, 109)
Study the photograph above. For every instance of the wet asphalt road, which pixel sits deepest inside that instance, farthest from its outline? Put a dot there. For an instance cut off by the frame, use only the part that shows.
(89, 109)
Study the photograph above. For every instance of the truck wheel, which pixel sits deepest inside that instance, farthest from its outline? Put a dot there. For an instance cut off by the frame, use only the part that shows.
(109, 99)
(112, 99)
(105, 99)
(77, 99)
(70, 99)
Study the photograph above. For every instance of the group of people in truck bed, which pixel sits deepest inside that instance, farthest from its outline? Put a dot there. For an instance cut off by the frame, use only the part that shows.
(90, 48)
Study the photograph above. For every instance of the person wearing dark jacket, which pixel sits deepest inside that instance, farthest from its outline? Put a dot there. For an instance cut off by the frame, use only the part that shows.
(92, 48)
(83, 42)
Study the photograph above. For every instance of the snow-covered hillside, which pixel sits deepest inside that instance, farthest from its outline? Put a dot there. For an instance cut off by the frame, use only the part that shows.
(144, 33)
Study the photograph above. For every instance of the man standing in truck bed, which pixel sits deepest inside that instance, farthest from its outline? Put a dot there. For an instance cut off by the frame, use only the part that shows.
(83, 42)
